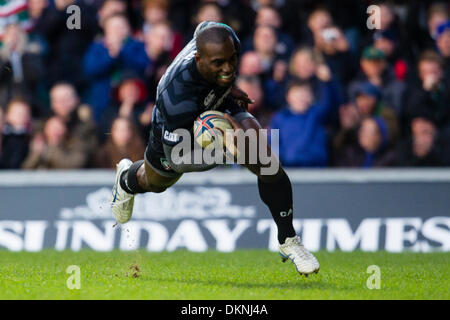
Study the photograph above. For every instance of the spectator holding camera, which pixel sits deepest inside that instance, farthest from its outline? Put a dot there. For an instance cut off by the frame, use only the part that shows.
(330, 40)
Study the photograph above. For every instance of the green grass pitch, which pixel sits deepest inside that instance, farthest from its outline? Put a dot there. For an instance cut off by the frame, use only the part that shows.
(243, 274)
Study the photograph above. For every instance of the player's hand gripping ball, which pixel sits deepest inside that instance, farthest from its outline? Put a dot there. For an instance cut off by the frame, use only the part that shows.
(210, 128)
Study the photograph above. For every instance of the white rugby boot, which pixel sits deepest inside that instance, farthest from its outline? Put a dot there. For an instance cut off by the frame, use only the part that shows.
(304, 261)
(121, 201)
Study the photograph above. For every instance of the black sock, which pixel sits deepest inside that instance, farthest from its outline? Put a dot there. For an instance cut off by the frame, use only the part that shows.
(277, 196)
(129, 181)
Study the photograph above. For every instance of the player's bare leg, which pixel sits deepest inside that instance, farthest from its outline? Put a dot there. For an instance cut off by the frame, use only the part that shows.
(276, 192)
(151, 181)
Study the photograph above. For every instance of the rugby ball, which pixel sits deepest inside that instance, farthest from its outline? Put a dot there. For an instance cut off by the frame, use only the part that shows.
(209, 127)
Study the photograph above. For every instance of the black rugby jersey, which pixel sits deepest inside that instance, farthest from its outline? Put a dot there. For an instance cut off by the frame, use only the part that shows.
(182, 94)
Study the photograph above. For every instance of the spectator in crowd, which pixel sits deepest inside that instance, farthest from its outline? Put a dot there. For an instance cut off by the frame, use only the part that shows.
(204, 11)
(129, 101)
(13, 12)
(387, 16)
(36, 39)
(15, 134)
(114, 53)
(302, 137)
(437, 15)
(367, 103)
(65, 103)
(109, 8)
(66, 46)
(330, 40)
(443, 45)
(264, 44)
(21, 68)
(35, 9)
(431, 93)
(386, 42)
(54, 148)
(389, 24)
(2, 123)
(372, 148)
(423, 148)
(252, 86)
(264, 62)
(274, 66)
(309, 64)
(269, 16)
(87, 83)
(158, 46)
(374, 68)
(156, 15)
(238, 15)
(208, 11)
(123, 142)
(250, 64)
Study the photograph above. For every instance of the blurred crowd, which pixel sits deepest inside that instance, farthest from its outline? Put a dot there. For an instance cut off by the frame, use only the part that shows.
(341, 92)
